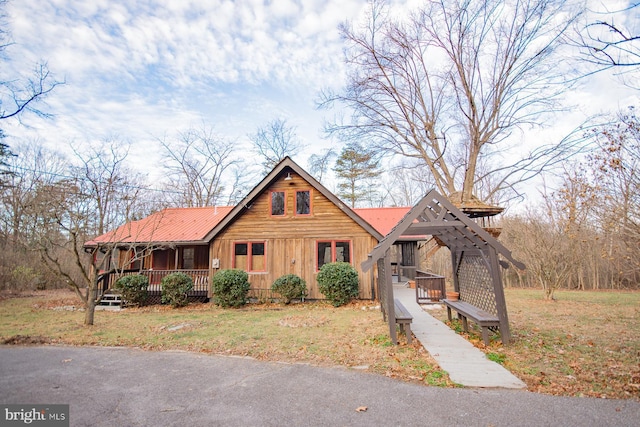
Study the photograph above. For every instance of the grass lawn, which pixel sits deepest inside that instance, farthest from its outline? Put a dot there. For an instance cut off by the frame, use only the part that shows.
(316, 333)
(583, 344)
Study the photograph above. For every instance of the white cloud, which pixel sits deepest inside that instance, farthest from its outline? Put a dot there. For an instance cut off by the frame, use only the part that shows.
(143, 69)
(140, 70)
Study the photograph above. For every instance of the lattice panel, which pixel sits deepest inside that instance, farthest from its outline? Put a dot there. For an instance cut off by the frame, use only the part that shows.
(476, 286)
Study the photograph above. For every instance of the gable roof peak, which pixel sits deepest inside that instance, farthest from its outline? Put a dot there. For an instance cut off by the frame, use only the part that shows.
(272, 177)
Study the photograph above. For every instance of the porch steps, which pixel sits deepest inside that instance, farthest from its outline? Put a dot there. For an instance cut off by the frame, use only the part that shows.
(111, 300)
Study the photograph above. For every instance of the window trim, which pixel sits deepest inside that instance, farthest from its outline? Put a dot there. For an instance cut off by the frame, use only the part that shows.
(333, 250)
(249, 255)
(284, 201)
(295, 211)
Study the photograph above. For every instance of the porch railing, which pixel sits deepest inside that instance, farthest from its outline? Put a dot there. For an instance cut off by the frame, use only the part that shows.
(200, 279)
(430, 288)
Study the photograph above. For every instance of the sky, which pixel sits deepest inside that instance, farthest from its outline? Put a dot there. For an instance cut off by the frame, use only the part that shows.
(143, 70)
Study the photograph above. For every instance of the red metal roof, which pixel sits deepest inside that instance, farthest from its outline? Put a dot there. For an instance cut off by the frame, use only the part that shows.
(168, 225)
(382, 219)
(193, 224)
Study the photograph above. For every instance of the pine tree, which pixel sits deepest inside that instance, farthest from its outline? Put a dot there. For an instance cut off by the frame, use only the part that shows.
(354, 167)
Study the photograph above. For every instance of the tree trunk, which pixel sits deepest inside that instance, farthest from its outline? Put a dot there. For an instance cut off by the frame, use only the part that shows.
(548, 293)
(470, 173)
(92, 293)
(90, 309)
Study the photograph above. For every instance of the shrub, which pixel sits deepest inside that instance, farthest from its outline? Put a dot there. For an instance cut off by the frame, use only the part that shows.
(133, 289)
(290, 287)
(175, 287)
(24, 277)
(338, 282)
(230, 288)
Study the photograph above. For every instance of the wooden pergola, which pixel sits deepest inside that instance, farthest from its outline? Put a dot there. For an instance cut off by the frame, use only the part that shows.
(474, 258)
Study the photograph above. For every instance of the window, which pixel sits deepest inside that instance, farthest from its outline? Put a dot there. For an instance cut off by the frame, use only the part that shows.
(277, 203)
(250, 256)
(188, 255)
(303, 202)
(333, 251)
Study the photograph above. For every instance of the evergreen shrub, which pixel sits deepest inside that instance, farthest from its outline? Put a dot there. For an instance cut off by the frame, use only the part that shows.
(175, 289)
(290, 287)
(133, 289)
(338, 281)
(230, 288)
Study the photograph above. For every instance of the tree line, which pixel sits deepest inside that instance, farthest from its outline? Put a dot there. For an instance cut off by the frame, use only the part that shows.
(585, 234)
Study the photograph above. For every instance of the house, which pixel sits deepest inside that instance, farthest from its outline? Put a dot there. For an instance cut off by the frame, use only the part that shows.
(288, 224)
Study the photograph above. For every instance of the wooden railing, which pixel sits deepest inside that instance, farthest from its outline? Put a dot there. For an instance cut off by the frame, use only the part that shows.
(403, 271)
(430, 288)
(200, 279)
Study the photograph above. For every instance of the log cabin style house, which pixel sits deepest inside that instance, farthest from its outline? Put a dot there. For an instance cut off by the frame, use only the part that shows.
(288, 224)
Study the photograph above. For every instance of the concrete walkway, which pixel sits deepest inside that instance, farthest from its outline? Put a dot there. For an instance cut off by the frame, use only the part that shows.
(465, 364)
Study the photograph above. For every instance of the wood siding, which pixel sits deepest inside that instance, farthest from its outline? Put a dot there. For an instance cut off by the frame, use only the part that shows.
(290, 240)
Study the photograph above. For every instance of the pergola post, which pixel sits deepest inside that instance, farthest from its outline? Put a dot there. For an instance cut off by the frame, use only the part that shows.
(455, 264)
(498, 290)
(388, 290)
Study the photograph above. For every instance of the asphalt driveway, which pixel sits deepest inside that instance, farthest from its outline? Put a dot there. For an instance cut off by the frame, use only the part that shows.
(130, 387)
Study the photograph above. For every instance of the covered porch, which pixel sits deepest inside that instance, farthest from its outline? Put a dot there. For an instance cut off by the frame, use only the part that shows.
(200, 277)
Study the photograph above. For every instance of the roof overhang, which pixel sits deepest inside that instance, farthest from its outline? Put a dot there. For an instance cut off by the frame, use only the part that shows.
(154, 244)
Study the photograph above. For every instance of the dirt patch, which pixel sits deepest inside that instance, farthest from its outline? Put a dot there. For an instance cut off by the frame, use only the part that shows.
(26, 340)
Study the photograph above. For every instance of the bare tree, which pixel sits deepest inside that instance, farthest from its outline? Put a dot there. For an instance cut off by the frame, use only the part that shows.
(30, 173)
(319, 163)
(196, 164)
(408, 182)
(607, 42)
(588, 234)
(275, 141)
(616, 176)
(60, 248)
(453, 83)
(116, 190)
(18, 94)
(96, 195)
(571, 209)
(31, 170)
(5, 155)
(536, 241)
(243, 178)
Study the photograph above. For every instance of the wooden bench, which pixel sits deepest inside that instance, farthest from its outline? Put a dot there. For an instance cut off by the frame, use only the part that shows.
(482, 318)
(403, 319)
